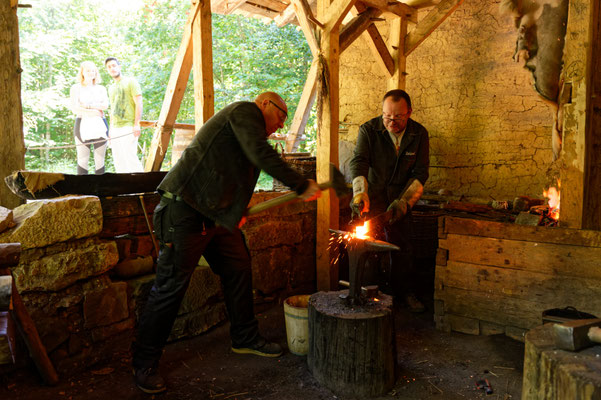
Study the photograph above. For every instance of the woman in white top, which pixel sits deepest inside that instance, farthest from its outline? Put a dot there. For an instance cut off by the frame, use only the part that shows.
(88, 102)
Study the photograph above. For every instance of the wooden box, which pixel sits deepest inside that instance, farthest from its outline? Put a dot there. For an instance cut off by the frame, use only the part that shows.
(494, 277)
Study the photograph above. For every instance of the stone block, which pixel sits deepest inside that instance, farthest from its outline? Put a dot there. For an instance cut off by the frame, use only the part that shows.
(45, 222)
(59, 266)
(204, 284)
(197, 322)
(142, 245)
(131, 267)
(6, 219)
(106, 306)
(104, 332)
(123, 246)
(274, 233)
(271, 268)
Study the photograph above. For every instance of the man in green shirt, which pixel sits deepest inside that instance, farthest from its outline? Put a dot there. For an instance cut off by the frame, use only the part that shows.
(125, 98)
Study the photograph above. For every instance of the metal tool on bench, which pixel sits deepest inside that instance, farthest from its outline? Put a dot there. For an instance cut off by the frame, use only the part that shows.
(335, 182)
(359, 250)
(577, 334)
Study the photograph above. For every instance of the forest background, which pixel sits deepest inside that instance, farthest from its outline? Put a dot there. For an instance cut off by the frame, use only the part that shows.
(249, 57)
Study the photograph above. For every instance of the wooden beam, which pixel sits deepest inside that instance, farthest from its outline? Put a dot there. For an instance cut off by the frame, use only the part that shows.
(327, 134)
(177, 125)
(286, 17)
(304, 16)
(376, 43)
(258, 10)
(303, 109)
(275, 6)
(231, 7)
(335, 13)
(357, 26)
(398, 32)
(431, 21)
(202, 50)
(395, 7)
(174, 94)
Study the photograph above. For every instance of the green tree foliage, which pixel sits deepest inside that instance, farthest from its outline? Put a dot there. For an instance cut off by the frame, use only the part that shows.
(249, 57)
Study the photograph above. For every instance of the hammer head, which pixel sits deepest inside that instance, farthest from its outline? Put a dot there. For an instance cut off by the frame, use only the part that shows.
(573, 335)
(337, 181)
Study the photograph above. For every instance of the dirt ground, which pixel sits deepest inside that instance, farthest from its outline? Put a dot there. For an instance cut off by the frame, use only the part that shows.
(431, 365)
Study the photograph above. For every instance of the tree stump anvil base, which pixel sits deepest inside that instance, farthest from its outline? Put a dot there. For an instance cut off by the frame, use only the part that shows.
(351, 349)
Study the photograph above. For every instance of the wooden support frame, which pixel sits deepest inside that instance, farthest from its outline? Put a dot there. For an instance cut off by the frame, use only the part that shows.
(173, 98)
(202, 45)
(303, 110)
(398, 32)
(431, 21)
(376, 43)
(357, 26)
(400, 9)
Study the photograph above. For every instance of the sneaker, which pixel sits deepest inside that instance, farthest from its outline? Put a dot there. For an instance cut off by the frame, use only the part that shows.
(415, 306)
(260, 347)
(148, 380)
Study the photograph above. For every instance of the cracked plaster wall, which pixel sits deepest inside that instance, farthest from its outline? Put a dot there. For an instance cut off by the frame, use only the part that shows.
(490, 133)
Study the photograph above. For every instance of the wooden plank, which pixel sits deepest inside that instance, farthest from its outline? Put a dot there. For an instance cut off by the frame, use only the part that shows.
(304, 15)
(96, 185)
(485, 307)
(500, 230)
(552, 259)
(176, 87)
(126, 206)
(202, 50)
(462, 324)
(429, 23)
(327, 141)
(357, 26)
(29, 332)
(401, 9)
(549, 291)
(303, 110)
(398, 31)
(275, 6)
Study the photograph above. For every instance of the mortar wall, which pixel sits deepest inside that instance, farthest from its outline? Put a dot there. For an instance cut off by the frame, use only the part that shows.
(490, 132)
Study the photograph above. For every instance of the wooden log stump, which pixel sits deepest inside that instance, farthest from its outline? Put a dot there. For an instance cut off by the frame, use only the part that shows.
(351, 349)
(550, 373)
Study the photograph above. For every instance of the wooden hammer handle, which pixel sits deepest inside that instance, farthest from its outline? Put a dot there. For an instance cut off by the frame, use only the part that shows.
(280, 200)
(594, 334)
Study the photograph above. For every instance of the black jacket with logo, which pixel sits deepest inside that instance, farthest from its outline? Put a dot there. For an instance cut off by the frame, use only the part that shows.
(218, 171)
(386, 173)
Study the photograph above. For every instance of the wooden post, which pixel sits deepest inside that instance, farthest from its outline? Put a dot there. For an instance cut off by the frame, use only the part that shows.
(12, 151)
(327, 140)
(576, 126)
(173, 98)
(202, 44)
(398, 31)
(303, 109)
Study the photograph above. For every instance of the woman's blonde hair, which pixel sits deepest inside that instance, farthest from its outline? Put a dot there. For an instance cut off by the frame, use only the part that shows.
(96, 80)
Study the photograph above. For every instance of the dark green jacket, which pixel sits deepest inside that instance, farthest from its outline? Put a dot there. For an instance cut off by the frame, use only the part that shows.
(386, 173)
(218, 171)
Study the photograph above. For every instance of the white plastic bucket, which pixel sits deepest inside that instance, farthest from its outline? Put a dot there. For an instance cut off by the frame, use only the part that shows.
(296, 314)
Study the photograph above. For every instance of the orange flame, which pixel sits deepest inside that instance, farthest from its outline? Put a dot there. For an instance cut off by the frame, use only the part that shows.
(554, 196)
(361, 231)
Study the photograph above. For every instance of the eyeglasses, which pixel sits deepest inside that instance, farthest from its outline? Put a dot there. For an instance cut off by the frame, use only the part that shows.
(400, 117)
(282, 110)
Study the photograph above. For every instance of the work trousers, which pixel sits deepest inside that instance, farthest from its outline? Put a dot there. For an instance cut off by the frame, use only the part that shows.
(125, 150)
(397, 267)
(185, 235)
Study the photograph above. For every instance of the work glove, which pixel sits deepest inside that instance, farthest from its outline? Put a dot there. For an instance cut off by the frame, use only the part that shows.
(359, 205)
(399, 209)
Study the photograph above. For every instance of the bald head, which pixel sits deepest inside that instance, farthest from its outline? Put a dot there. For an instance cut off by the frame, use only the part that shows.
(274, 111)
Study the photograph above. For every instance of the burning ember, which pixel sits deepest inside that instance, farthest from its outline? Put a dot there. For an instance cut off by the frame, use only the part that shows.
(554, 196)
(361, 231)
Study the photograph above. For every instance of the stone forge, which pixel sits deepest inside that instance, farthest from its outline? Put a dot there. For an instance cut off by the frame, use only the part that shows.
(87, 266)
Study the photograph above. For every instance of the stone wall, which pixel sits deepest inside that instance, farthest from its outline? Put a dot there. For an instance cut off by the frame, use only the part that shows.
(490, 133)
(87, 281)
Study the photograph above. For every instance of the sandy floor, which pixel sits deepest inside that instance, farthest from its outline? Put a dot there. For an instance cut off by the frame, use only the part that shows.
(432, 365)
